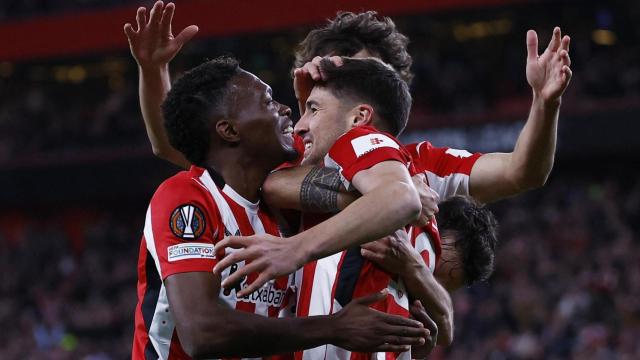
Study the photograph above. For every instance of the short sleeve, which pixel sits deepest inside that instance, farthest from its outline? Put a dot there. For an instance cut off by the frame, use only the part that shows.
(182, 227)
(361, 148)
(447, 169)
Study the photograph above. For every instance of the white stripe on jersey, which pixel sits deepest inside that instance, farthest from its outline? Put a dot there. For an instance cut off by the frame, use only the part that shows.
(162, 325)
(423, 243)
(450, 185)
(320, 303)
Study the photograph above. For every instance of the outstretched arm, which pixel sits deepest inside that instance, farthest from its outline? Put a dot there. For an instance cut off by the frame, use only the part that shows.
(154, 46)
(498, 175)
(199, 317)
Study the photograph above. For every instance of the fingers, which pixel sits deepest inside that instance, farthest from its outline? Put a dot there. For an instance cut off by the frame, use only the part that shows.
(259, 282)
(128, 31)
(313, 68)
(566, 40)
(405, 340)
(554, 43)
(392, 348)
(167, 18)
(532, 45)
(566, 75)
(156, 14)
(141, 18)
(187, 34)
(400, 321)
(238, 275)
(373, 256)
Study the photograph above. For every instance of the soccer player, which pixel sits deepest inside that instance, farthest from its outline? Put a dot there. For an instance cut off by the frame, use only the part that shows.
(225, 122)
(339, 116)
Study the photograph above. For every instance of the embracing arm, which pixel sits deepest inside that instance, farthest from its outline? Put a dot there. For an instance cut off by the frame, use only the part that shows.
(498, 175)
(389, 201)
(395, 254)
(153, 46)
(208, 329)
(307, 188)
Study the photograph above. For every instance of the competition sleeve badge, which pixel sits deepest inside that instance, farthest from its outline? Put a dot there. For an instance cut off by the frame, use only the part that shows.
(187, 222)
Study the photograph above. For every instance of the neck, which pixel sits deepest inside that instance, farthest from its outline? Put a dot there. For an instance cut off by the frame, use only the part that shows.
(240, 171)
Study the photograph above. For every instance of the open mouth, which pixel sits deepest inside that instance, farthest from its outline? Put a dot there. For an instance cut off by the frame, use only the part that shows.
(288, 130)
(307, 147)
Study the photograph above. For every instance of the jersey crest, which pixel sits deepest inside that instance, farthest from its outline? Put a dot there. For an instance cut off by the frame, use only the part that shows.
(187, 222)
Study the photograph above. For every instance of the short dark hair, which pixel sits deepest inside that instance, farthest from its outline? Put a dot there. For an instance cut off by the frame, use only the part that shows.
(349, 33)
(374, 82)
(194, 98)
(476, 235)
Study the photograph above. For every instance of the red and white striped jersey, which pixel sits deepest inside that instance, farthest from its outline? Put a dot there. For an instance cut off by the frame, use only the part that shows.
(327, 285)
(447, 169)
(189, 213)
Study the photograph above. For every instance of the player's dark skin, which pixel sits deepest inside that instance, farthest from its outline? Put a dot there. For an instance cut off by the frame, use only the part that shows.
(244, 148)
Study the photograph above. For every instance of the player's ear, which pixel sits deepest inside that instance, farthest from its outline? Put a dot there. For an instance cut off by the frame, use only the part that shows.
(363, 115)
(227, 131)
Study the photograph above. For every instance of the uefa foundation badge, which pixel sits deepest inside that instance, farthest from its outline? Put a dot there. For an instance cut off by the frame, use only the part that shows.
(187, 222)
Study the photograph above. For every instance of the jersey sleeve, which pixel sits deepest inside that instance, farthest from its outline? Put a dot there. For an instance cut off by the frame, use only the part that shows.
(182, 227)
(361, 148)
(447, 169)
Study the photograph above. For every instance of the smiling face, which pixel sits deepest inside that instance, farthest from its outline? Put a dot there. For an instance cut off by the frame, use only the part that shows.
(325, 119)
(264, 126)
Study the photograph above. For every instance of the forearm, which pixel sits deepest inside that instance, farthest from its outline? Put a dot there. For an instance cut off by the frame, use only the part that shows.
(422, 285)
(307, 188)
(155, 83)
(534, 152)
(249, 335)
(376, 214)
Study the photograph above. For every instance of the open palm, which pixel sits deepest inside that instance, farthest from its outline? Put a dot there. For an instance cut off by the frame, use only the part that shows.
(548, 74)
(153, 43)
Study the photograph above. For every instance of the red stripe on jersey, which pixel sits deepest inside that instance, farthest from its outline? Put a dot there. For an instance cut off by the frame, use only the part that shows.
(441, 161)
(306, 287)
(141, 339)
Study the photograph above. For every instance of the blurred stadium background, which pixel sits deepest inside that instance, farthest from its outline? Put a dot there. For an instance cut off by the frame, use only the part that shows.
(76, 170)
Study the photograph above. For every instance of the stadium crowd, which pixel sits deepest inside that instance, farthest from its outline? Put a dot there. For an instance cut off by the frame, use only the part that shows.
(461, 76)
(567, 283)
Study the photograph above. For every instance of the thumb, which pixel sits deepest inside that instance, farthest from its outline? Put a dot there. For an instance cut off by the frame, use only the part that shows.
(187, 34)
(532, 45)
(372, 298)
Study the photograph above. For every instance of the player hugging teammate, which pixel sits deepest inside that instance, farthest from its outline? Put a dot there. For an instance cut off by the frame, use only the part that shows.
(356, 127)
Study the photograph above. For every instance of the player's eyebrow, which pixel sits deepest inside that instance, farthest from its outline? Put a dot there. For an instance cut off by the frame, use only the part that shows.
(310, 103)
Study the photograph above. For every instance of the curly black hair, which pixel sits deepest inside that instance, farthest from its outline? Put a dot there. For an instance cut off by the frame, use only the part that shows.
(194, 99)
(374, 82)
(349, 33)
(475, 230)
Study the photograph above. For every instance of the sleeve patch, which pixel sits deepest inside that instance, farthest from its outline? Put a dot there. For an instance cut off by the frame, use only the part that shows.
(459, 153)
(366, 143)
(190, 251)
(187, 222)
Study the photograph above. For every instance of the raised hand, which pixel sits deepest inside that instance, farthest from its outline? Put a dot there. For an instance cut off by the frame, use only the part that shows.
(361, 328)
(269, 255)
(152, 43)
(549, 74)
(305, 77)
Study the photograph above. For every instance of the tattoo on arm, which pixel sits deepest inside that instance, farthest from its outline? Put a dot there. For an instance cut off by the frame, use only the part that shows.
(319, 190)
